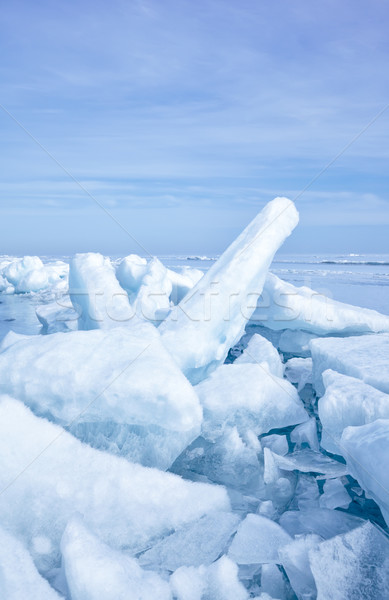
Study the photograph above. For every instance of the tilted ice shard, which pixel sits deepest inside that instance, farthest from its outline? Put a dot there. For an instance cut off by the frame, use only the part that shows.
(115, 387)
(96, 293)
(195, 544)
(353, 565)
(260, 350)
(95, 571)
(366, 449)
(285, 306)
(348, 401)
(321, 521)
(19, 578)
(212, 317)
(258, 540)
(365, 357)
(249, 397)
(125, 504)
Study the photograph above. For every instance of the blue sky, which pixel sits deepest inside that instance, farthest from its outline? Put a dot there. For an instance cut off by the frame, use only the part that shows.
(184, 118)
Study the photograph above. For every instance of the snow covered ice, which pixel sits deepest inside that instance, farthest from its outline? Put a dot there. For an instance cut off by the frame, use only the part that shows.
(125, 504)
(95, 381)
(170, 432)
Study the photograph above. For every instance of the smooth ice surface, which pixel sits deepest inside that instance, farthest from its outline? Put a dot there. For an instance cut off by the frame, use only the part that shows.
(366, 449)
(258, 540)
(212, 317)
(285, 306)
(299, 370)
(96, 293)
(195, 544)
(101, 379)
(353, 566)
(182, 282)
(348, 401)
(125, 504)
(94, 571)
(260, 350)
(249, 397)
(19, 578)
(219, 581)
(321, 521)
(364, 357)
(295, 560)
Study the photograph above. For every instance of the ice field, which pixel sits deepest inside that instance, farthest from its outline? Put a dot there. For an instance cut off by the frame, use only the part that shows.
(195, 428)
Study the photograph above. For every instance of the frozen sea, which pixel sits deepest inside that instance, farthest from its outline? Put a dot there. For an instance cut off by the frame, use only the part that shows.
(359, 279)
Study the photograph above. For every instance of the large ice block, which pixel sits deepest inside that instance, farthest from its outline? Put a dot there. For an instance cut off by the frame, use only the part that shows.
(46, 475)
(96, 293)
(285, 306)
(365, 357)
(212, 317)
(354, 565)
(249, 397)
(348, 401)
(366, 449)
(118, 388)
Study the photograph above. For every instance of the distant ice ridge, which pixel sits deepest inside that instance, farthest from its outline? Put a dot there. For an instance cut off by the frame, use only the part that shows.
(117, 389)
(29, 274)
(212, 317)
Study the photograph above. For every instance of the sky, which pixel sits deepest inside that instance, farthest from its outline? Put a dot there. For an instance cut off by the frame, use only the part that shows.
(164, 126)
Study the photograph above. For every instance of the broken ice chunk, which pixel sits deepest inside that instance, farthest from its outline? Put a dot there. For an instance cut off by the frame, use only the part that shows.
(119, 385)
(219, 581)
(260, 350)
(130, 272)
(125, 504)
(19, 578)
(308, 461)
(321, 521)
(276, 443)
(306, 433)
(258, 540)
(365, 357)
(295, 560)
(247, 396)
(299, 370)
(353, 565)
(212, 317)
(57, 316)
(96, 293)
(348, 401)
(335, 495)
(195, 544)
(366, 449)
(94, 571)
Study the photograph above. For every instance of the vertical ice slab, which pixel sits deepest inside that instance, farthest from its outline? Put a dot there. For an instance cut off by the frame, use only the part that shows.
(96, 293)
(212, 317)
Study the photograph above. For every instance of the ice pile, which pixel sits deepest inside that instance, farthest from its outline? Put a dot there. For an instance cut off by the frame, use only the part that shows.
(169, 437)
